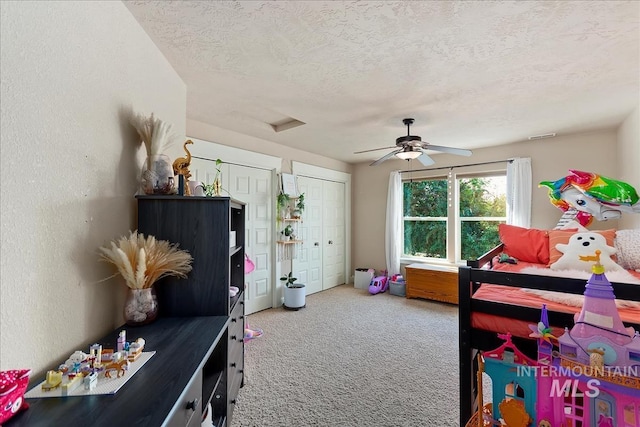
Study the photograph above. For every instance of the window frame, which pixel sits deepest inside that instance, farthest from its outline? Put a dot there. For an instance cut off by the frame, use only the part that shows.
(453, 221)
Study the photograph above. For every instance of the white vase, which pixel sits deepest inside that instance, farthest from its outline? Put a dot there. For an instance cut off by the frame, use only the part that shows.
(294, 296)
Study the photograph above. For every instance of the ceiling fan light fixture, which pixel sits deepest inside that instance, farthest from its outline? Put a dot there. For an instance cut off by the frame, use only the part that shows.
(409, 153)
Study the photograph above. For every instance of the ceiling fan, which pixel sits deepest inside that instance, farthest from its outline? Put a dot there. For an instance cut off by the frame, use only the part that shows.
(411, 147)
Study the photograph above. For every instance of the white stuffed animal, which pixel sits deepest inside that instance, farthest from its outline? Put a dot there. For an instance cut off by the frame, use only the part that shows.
(580, 253)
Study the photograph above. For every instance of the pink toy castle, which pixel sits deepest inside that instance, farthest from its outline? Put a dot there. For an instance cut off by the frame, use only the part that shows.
(592, 381)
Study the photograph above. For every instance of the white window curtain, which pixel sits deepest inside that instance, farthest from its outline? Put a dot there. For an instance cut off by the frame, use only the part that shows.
(519, 192)
(393, 229)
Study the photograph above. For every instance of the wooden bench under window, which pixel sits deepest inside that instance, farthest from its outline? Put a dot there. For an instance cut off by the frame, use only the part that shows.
(434, 282)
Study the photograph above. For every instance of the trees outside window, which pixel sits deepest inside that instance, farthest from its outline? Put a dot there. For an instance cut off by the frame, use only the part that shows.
(453, 218)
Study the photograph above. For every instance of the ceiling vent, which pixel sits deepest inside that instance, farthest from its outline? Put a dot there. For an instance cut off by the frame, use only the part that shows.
(286, 124)
(543, 136)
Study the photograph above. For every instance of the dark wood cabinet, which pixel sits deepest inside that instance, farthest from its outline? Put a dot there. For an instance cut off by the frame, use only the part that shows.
(198, 337)
(169, 390)
(213, 231)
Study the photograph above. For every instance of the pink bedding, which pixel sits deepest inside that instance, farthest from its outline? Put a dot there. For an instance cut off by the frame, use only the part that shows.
(516, 296)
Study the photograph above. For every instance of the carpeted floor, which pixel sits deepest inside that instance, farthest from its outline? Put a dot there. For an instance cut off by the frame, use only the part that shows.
(352, 359)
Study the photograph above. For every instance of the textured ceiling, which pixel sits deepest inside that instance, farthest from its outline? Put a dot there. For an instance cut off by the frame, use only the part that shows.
(471, 73)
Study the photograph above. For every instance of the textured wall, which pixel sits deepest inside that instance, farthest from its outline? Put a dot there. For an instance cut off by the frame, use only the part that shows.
(70, 71)
(550, 159)
(629, 160)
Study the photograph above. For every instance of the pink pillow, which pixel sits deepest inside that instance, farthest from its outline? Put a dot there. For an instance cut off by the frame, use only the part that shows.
(525, 244)
(563, 236)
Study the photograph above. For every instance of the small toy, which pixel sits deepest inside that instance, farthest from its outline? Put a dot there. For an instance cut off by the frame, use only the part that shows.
(250, 334)
(120, 367)
(90, 381)
(135, 349)
(76, 361)
(378, 285)
(122, 339)
(52, 380)
(74, 382)
(502, 258)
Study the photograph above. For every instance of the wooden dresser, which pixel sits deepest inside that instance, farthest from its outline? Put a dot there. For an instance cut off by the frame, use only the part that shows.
(434, 282)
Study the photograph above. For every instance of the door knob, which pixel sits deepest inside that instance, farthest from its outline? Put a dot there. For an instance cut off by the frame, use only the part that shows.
(316, 244)
(331, 242)
(192, 404)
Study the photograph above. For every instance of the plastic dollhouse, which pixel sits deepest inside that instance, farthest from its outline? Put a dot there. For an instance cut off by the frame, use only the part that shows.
(587, 377)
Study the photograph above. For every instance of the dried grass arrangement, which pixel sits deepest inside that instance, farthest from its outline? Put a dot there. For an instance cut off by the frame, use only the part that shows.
(142, 261)
(154, 133)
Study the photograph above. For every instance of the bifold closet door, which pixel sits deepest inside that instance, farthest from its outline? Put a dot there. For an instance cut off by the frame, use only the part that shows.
(333, 226)
(321, 261)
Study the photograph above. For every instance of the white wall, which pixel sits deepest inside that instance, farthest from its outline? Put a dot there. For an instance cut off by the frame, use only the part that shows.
(70, 164)
(629, 161)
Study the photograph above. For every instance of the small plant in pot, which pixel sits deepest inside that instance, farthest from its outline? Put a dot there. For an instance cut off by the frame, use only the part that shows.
(288, 232)
(294, 293)
(299, 208)
(283, 205)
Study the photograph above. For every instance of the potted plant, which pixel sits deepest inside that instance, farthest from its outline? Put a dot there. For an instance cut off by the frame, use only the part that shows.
(288, 232)
(294, 293)
(215, 189)
(283, 204)
(299, 208)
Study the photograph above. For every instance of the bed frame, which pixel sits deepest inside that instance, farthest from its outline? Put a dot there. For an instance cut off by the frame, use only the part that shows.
(471, 340)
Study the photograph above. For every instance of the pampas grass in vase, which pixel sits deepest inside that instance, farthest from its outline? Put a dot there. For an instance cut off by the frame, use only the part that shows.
(142, 261)
(157, 174)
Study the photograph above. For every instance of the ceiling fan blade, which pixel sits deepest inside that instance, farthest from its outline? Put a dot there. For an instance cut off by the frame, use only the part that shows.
(375, 149)
(425, 159)
(385, 157)
(450, 150)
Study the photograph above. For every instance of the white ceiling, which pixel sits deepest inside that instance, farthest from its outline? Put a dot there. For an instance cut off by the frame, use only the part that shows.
(472, 73)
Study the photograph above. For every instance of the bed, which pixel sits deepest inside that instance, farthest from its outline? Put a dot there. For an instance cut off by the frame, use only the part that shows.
(495, 299)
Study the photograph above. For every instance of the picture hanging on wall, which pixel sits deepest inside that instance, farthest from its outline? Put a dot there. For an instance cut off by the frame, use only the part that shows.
(289, 185)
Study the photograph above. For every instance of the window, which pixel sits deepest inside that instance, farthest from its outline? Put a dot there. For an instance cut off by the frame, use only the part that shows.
(453, 218)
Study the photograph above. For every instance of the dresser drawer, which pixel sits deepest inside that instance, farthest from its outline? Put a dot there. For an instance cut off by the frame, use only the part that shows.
(188, 410)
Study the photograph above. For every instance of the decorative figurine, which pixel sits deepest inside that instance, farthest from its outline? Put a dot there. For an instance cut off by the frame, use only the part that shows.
(181, 167)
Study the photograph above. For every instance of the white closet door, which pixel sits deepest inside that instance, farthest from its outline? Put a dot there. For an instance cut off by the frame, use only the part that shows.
(333, 224)
(253, 186)
(322, 259)
(308, 264)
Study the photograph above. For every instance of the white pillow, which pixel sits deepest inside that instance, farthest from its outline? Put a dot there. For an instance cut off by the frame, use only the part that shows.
(627, 242)
(580, 253)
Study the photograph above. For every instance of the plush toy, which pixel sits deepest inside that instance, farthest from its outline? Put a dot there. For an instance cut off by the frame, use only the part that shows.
(502, 258)
(583, 250)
